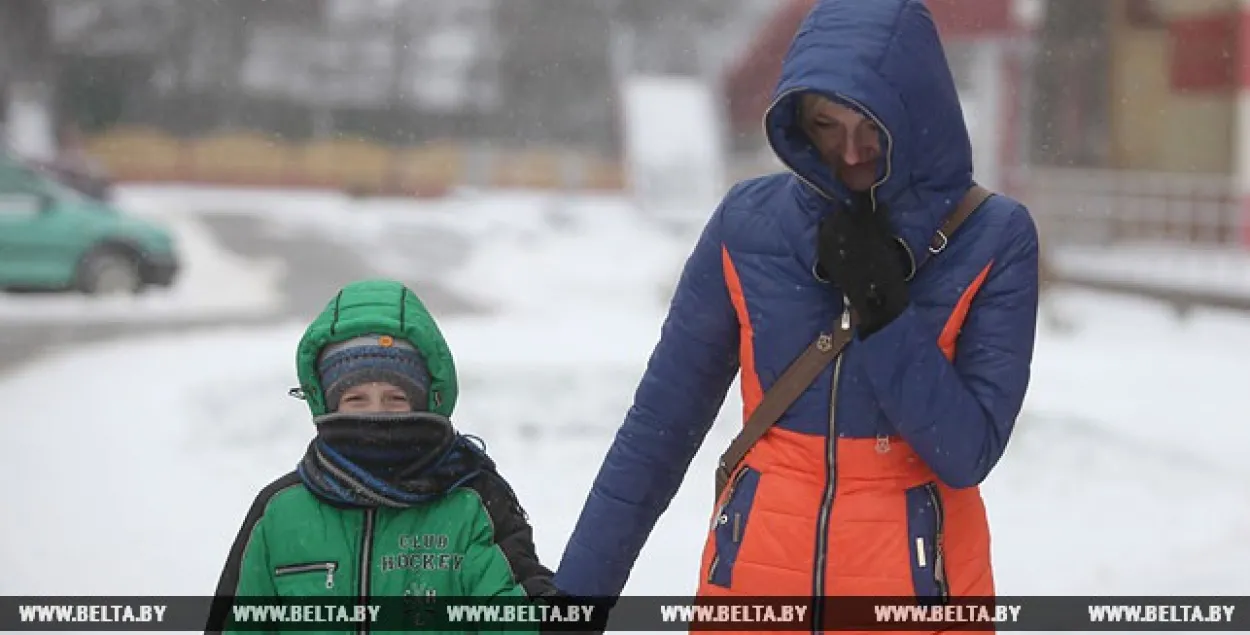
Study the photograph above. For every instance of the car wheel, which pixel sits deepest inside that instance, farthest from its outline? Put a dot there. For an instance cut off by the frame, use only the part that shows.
(109, 272)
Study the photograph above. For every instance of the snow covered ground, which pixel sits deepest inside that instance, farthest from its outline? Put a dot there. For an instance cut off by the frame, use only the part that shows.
(546, 233)
(396, 237)
(131, 464)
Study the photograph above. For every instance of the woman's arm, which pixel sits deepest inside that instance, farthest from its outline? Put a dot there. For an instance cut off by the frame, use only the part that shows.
(958, 415)
(677, 400)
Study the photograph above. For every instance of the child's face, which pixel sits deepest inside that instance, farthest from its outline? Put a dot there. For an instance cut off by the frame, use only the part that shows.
(374, 397)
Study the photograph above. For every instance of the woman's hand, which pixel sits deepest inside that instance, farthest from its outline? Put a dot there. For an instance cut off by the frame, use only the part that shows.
(858, 252)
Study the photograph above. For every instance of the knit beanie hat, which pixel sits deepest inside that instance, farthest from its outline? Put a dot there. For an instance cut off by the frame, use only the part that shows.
(370, 358)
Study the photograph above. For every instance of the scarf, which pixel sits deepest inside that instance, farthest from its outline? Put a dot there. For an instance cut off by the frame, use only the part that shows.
(389, 459)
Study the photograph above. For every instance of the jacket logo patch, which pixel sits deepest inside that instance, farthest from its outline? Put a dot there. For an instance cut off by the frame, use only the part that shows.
(423, 542)
(425, 552)
(422, 561)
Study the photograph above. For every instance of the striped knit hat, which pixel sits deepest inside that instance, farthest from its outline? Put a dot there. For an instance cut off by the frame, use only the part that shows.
(370, 358)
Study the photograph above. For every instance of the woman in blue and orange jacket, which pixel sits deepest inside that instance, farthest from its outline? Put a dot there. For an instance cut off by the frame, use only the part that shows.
(868, 483)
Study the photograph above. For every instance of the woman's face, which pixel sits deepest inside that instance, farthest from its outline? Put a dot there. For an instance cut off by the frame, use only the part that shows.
(847, 141)
(374, 397)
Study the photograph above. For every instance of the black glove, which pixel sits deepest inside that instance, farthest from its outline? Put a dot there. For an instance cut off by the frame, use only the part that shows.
(857, 251)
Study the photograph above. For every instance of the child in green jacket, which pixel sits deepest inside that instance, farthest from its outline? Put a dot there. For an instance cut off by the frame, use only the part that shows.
(389, 499)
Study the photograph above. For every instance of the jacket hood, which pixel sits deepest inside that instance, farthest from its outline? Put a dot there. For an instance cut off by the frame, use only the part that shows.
(383, 307)
(885, 59)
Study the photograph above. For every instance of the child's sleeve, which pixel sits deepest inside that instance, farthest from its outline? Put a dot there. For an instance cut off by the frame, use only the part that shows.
(250, 569)
(500, 558)
(246, 572)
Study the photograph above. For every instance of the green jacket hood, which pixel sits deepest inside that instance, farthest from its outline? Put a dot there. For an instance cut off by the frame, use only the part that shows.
(384, 307)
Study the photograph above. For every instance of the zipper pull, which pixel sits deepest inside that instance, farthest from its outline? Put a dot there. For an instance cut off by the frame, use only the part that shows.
(721, 519)
(883, 444)
(922, 559)
(330, 576)
(846, 313)
(737, 533)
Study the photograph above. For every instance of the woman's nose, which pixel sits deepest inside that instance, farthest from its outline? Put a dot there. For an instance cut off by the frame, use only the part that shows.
(854, 154)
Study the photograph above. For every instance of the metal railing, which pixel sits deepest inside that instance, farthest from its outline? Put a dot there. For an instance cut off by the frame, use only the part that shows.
(1116, 206)
(1178, 238)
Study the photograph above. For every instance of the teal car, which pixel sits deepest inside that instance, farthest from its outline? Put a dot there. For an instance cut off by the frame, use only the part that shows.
(53, 238)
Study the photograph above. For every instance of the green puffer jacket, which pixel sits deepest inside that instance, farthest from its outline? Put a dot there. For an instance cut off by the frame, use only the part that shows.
(474, 541)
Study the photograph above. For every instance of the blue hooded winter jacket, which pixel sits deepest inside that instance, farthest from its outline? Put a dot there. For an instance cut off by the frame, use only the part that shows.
(867, 484)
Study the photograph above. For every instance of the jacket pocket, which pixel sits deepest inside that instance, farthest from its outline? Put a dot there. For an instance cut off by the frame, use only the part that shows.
(730, 525)
(305, 578)
(925, 525)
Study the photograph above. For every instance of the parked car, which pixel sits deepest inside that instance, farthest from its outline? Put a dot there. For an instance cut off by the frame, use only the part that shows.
(57, 239)
(79, 175)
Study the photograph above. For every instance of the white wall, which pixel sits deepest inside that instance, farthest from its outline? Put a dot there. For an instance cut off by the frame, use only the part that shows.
(29, 130)
(673, 146)
(982, 84)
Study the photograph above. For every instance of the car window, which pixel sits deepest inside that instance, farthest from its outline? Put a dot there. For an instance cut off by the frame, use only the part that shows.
(18, 206)
(58, 190)
(20, 196)
(19, 179)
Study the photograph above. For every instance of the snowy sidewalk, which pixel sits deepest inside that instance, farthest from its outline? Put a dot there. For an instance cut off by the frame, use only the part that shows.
(1117, 456)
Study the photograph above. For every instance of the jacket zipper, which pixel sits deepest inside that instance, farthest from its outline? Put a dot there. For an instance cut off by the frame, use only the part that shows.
(328, 567)
(826, 506)
(939, 558)
(721, 518)
(831, 483)
(366, 559)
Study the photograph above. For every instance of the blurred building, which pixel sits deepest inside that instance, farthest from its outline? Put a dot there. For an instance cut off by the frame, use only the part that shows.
(297, 68)
(1128, 112)
(1134, 112)
(1177, 73)
(1167, 129)
(516, 92)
